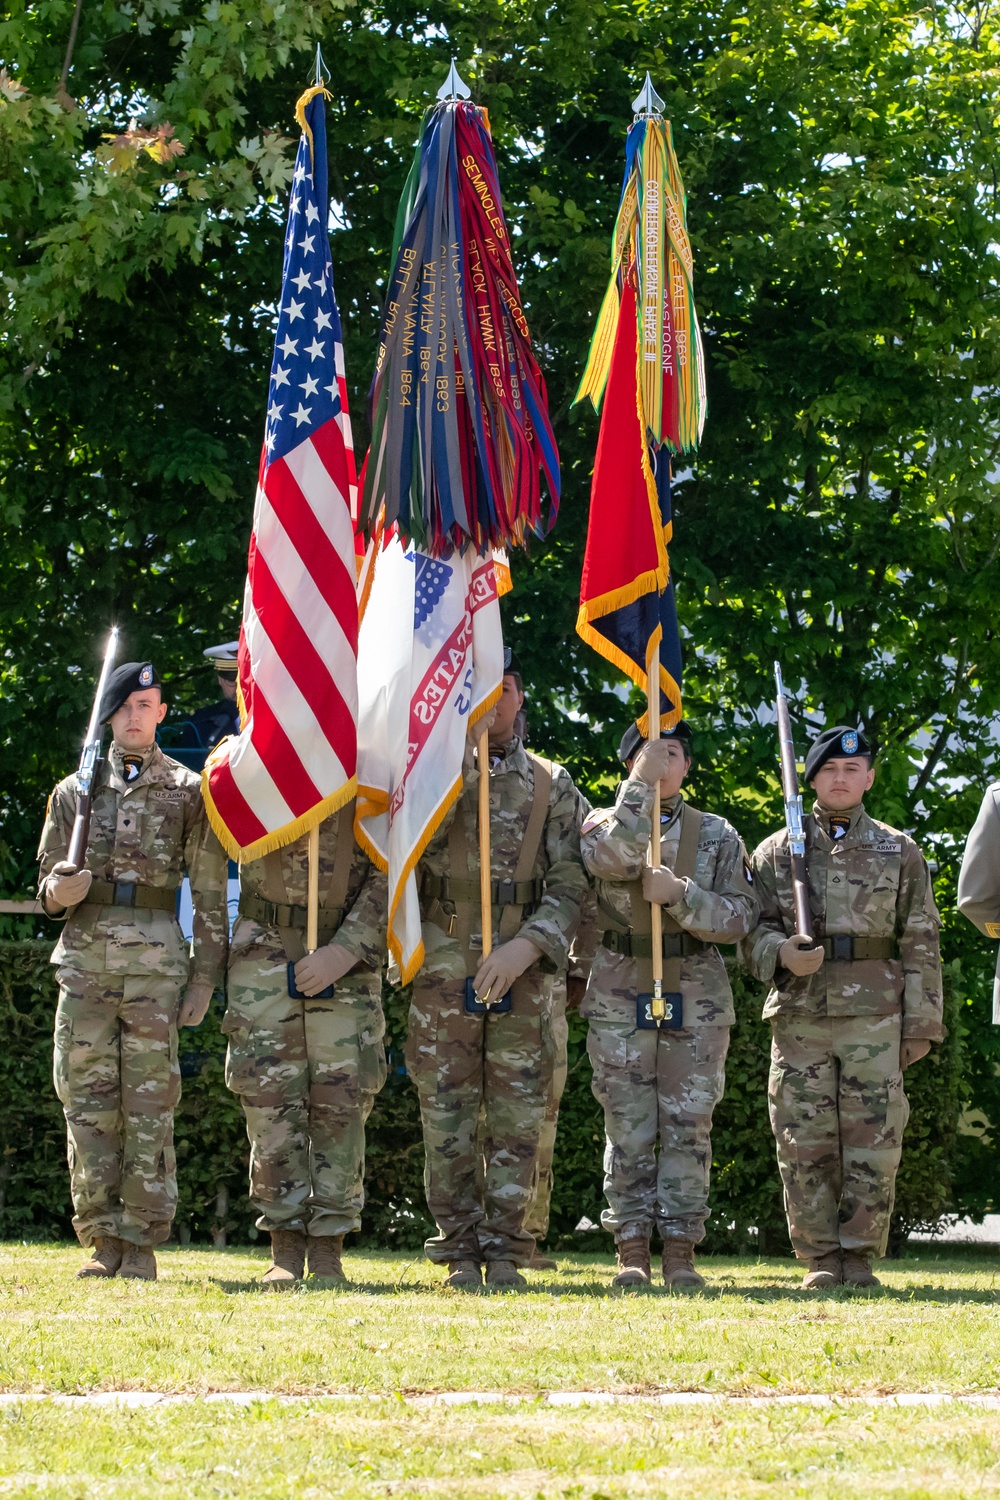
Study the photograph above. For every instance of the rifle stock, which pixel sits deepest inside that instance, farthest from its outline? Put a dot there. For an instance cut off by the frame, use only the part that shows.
(792, 797)
(89, 760)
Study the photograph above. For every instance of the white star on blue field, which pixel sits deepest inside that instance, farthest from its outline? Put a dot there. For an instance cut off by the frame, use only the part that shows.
(303, 392)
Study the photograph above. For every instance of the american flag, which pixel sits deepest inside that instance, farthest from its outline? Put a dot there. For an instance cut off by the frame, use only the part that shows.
(294, 761)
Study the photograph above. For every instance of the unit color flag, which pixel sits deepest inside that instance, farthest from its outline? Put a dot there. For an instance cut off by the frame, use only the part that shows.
(430, 664)
(645, 373)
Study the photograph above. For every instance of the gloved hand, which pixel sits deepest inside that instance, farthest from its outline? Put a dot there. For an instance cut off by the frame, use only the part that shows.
(195, 1002)
(652, 764)
(66, 886)
(324, 967)
(912, 1051)
(662, 886)
(497, 973)
(798, 955)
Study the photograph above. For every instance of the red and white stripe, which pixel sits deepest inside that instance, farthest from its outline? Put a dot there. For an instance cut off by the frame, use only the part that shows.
(297, 752)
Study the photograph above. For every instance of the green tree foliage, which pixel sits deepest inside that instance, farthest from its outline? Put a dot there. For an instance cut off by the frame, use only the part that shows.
(840, 158)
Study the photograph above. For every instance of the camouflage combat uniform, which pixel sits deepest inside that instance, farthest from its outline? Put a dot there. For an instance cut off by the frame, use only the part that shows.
(661, 1085)
(536, 1220)
(462, 1063)
(122, 970)
(307, 1071)
(836, 1097)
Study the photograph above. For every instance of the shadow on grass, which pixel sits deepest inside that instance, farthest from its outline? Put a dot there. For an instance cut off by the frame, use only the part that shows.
(762, 1293)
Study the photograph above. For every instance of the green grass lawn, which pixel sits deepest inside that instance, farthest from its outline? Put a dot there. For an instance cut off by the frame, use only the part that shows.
(205, 1328)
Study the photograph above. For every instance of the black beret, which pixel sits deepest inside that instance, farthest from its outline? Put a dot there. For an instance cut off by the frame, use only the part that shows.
(840, 740)
(131, 677)
(632, 740)
(510, 662)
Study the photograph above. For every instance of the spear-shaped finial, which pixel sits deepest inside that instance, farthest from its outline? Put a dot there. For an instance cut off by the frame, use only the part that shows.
(454, 86)
(321, 67)
(649, 101)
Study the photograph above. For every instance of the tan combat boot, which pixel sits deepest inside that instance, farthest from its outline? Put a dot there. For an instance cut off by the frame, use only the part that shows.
(465, 1275)
(540, 1262)
(288, 1259)
(504, 1276)
(138, 1264)
(678, 1264)
(324, 1258)
(825, 1271)
(633, 1262)
(858, 1269)
(105, 1258)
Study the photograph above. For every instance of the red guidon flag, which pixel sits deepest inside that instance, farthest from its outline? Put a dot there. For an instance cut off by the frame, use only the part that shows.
(294, 761)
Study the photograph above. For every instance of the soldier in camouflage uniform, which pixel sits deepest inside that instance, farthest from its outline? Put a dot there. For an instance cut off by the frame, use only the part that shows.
(661, 1084)
(849, 1011)
(462, 1062)
(123, 968)
(307, 1069)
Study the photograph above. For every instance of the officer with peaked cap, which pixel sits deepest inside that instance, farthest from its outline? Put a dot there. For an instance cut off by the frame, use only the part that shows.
(850, 1010)
(659, 1085)
(126, 977)
(217, 720)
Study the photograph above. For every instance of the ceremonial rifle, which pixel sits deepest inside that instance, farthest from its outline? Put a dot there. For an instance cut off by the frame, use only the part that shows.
(793, 810)
(89, 759)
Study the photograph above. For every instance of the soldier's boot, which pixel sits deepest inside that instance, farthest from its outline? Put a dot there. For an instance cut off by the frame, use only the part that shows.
(325, 1262)
(105, 1257)
(540, 1262)
(138, 1264)
(825, 1271)
(504, 1276)
(678, 1264)
(465, 1275)
(633, 1262)
(288, 1259)
(858, 1269)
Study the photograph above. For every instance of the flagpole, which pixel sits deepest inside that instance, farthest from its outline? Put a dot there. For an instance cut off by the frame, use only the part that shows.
(485, 882)
(656, 913)
(312, 892)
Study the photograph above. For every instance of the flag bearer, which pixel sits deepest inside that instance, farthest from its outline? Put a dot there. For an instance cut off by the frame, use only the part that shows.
(462, 1059)
(126, 978)
(849, 1012)
(660, 1085)
(307, 1068)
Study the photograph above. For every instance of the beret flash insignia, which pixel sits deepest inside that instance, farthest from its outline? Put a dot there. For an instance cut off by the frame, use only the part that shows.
(849, 742)
(146, 676)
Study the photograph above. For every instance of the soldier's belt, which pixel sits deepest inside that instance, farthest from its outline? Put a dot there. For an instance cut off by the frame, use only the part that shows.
(640, 944)
(273, 914)
(842, 948)
(504, 892)
(130, 893)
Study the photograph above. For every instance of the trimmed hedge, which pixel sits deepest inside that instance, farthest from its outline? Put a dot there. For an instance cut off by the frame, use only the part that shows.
(212, 1150)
